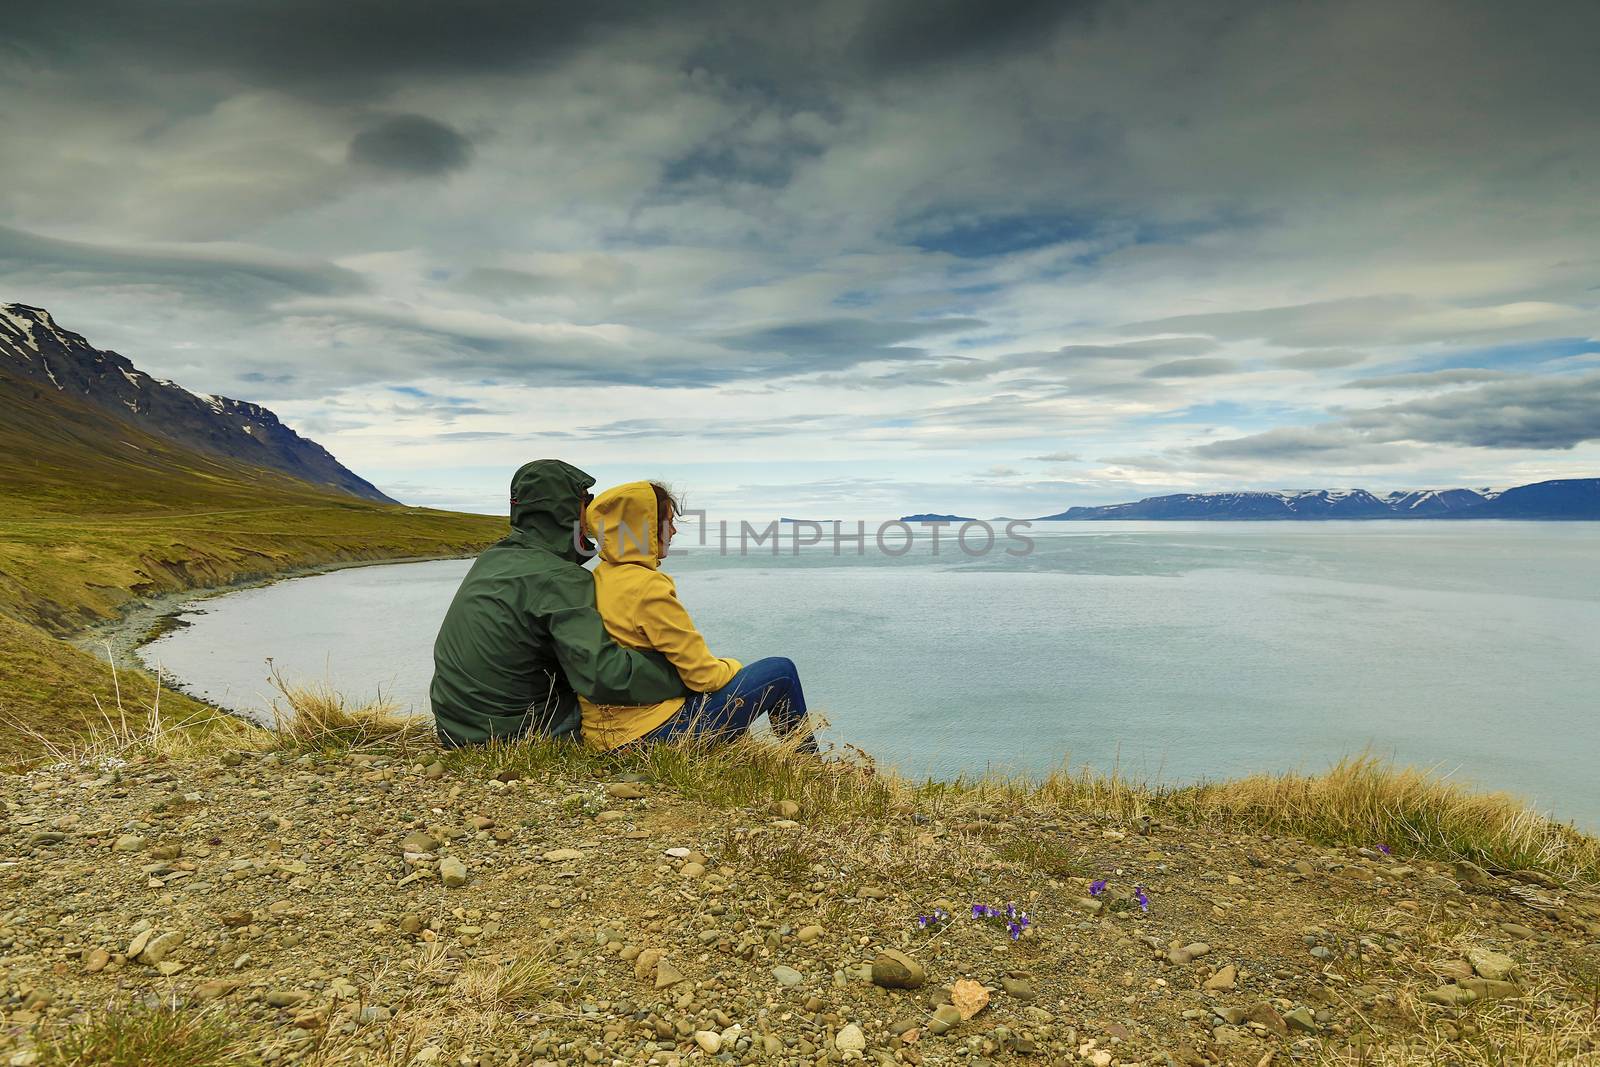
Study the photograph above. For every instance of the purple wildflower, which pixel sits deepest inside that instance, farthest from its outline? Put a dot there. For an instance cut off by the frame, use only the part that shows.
(1014, 929)
(1139, 895)
(1385, 850)
(1098, 887)
(977, 911)
(922, 922)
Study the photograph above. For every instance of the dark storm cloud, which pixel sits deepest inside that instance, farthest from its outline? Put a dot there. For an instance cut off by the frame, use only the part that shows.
(331, 51)
(917, 33)
(413, 145)
(228, 273)
(1554, 413)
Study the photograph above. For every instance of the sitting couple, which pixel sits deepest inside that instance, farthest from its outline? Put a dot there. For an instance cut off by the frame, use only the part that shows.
(523, 648)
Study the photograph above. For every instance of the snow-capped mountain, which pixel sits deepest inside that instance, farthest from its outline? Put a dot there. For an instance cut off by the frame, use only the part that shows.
(1569, 498)
(36, 348)
(1437, 501)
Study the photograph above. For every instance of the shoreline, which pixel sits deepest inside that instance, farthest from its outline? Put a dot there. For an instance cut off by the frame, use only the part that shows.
(144, 619)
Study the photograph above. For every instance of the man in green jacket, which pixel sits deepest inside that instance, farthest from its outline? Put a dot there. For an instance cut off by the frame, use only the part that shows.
(522, 633)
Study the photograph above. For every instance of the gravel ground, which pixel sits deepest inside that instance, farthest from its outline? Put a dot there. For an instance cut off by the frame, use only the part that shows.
(360, 910)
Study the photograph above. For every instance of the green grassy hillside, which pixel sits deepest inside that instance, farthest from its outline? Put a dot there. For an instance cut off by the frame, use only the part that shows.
(97, 513)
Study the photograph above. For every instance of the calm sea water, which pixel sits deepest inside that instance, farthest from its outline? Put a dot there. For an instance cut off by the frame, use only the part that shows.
(1177, 651)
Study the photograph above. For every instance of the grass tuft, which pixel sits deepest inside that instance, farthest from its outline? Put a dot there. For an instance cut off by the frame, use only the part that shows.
(139, 1035)
(1362, 800)
(314, 717)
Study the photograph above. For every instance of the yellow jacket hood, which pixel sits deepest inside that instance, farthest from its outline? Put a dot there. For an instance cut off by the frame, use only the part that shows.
(623, 521)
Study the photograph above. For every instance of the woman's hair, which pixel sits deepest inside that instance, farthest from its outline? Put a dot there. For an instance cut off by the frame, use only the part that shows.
(666, 504)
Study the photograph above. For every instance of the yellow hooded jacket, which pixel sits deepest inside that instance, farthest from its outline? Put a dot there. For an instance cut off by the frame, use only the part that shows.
(640, 607)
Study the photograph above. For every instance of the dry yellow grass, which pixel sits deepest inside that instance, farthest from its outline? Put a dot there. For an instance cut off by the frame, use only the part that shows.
(315, 717)
(1362, 800)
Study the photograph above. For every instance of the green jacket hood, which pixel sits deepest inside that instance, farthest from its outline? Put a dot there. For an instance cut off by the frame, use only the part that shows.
(546, 503)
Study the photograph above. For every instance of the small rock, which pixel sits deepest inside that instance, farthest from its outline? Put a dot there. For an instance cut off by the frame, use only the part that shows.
(1489, 989)
(216, 989)
(709, 1040)
(562, 855)
(1300, 1019)
(667, 974)
(285, 998)
(452, 872)
(968, 997)
(809, 933)
(1223, 979)
(129, 843)
(1262, 1013)
(1090, 905)
(159, 947)
(411, 923)
(625, 791)
(850, 1039)
(96, 960)
(785, 809)
(1451, 996)
(1469, 873)
(893, 969)
(1186, 955)
(787, 976)
(434, 770)
(1020, 988)
(644, 964)
(944, 1018)
(1495, 966)
(418, 841)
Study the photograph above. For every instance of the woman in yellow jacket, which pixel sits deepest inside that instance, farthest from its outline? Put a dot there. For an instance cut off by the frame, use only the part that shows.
(633, 527)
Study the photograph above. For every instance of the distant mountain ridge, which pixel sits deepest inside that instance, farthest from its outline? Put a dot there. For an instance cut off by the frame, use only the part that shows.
(35, 347)
(1567, 498)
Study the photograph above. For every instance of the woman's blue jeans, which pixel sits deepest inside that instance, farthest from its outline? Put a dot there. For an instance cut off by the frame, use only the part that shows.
(769, 687)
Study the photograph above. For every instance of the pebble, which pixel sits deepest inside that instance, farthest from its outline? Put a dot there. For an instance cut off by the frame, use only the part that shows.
(625, 791)
(1188, 953)
(1225, 978)
(452, 872)
(787, 976)
(1020, 988)
(418, 842)
(1495, 966)
(562, 855)
(893, 969)
(158, 948)
(850, 1039)
(709, 1040)
(129, 843)
(808, 933)
(1300, 1019)
(667, 974)
(945, 1016)
(285, 998)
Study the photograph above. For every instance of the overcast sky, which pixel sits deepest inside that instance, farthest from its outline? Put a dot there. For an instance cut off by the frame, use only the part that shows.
(836, 259)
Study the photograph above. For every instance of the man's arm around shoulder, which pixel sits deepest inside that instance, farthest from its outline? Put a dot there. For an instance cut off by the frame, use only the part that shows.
(596, 666)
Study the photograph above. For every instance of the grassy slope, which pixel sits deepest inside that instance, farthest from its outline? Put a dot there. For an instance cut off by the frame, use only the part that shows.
(97, 514)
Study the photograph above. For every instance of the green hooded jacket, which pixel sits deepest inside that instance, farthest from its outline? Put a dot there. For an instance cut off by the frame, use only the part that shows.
(522, 632)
